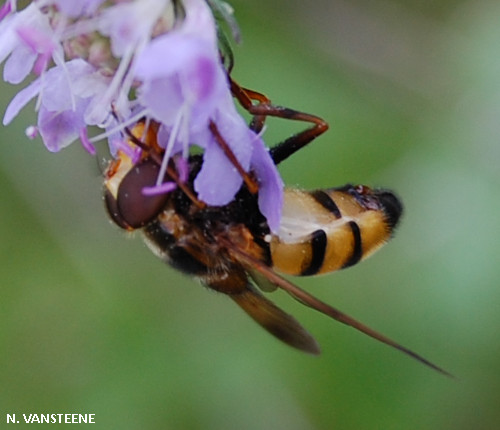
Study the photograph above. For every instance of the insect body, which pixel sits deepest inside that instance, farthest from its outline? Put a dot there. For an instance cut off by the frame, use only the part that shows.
(231, 248)
(327, 230)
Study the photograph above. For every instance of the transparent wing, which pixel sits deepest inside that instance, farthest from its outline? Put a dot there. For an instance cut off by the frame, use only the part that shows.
(275, 321)
(262, 281)
(322, 307)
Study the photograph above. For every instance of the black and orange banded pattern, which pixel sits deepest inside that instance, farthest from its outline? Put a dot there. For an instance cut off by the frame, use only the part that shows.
(357, 249)
(328, 230)
(324, 199)
(318, 242)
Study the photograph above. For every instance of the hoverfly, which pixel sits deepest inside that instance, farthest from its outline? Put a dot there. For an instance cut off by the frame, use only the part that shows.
(231, 248)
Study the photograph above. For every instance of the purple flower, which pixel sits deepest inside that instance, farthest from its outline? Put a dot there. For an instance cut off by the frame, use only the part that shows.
(65, 95)
(129, 25)
(76, 8)
(6, 9)
(26, 36)
(184, 68)
(110, 64)
(270, 184)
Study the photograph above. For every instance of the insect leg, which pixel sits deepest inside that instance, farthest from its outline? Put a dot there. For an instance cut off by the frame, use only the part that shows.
(264, 108)
(245, 97)
(250, 182)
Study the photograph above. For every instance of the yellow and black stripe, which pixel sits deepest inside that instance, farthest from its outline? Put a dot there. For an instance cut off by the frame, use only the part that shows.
(353, 221)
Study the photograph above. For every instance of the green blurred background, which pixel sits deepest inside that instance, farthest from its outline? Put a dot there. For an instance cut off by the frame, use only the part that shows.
(91, 322)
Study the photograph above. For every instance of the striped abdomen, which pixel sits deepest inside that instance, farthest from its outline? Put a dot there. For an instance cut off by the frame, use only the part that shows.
(326, 230)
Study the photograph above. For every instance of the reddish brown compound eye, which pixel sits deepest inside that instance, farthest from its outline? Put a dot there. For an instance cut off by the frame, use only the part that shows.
(133, 209)
(112, 207)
